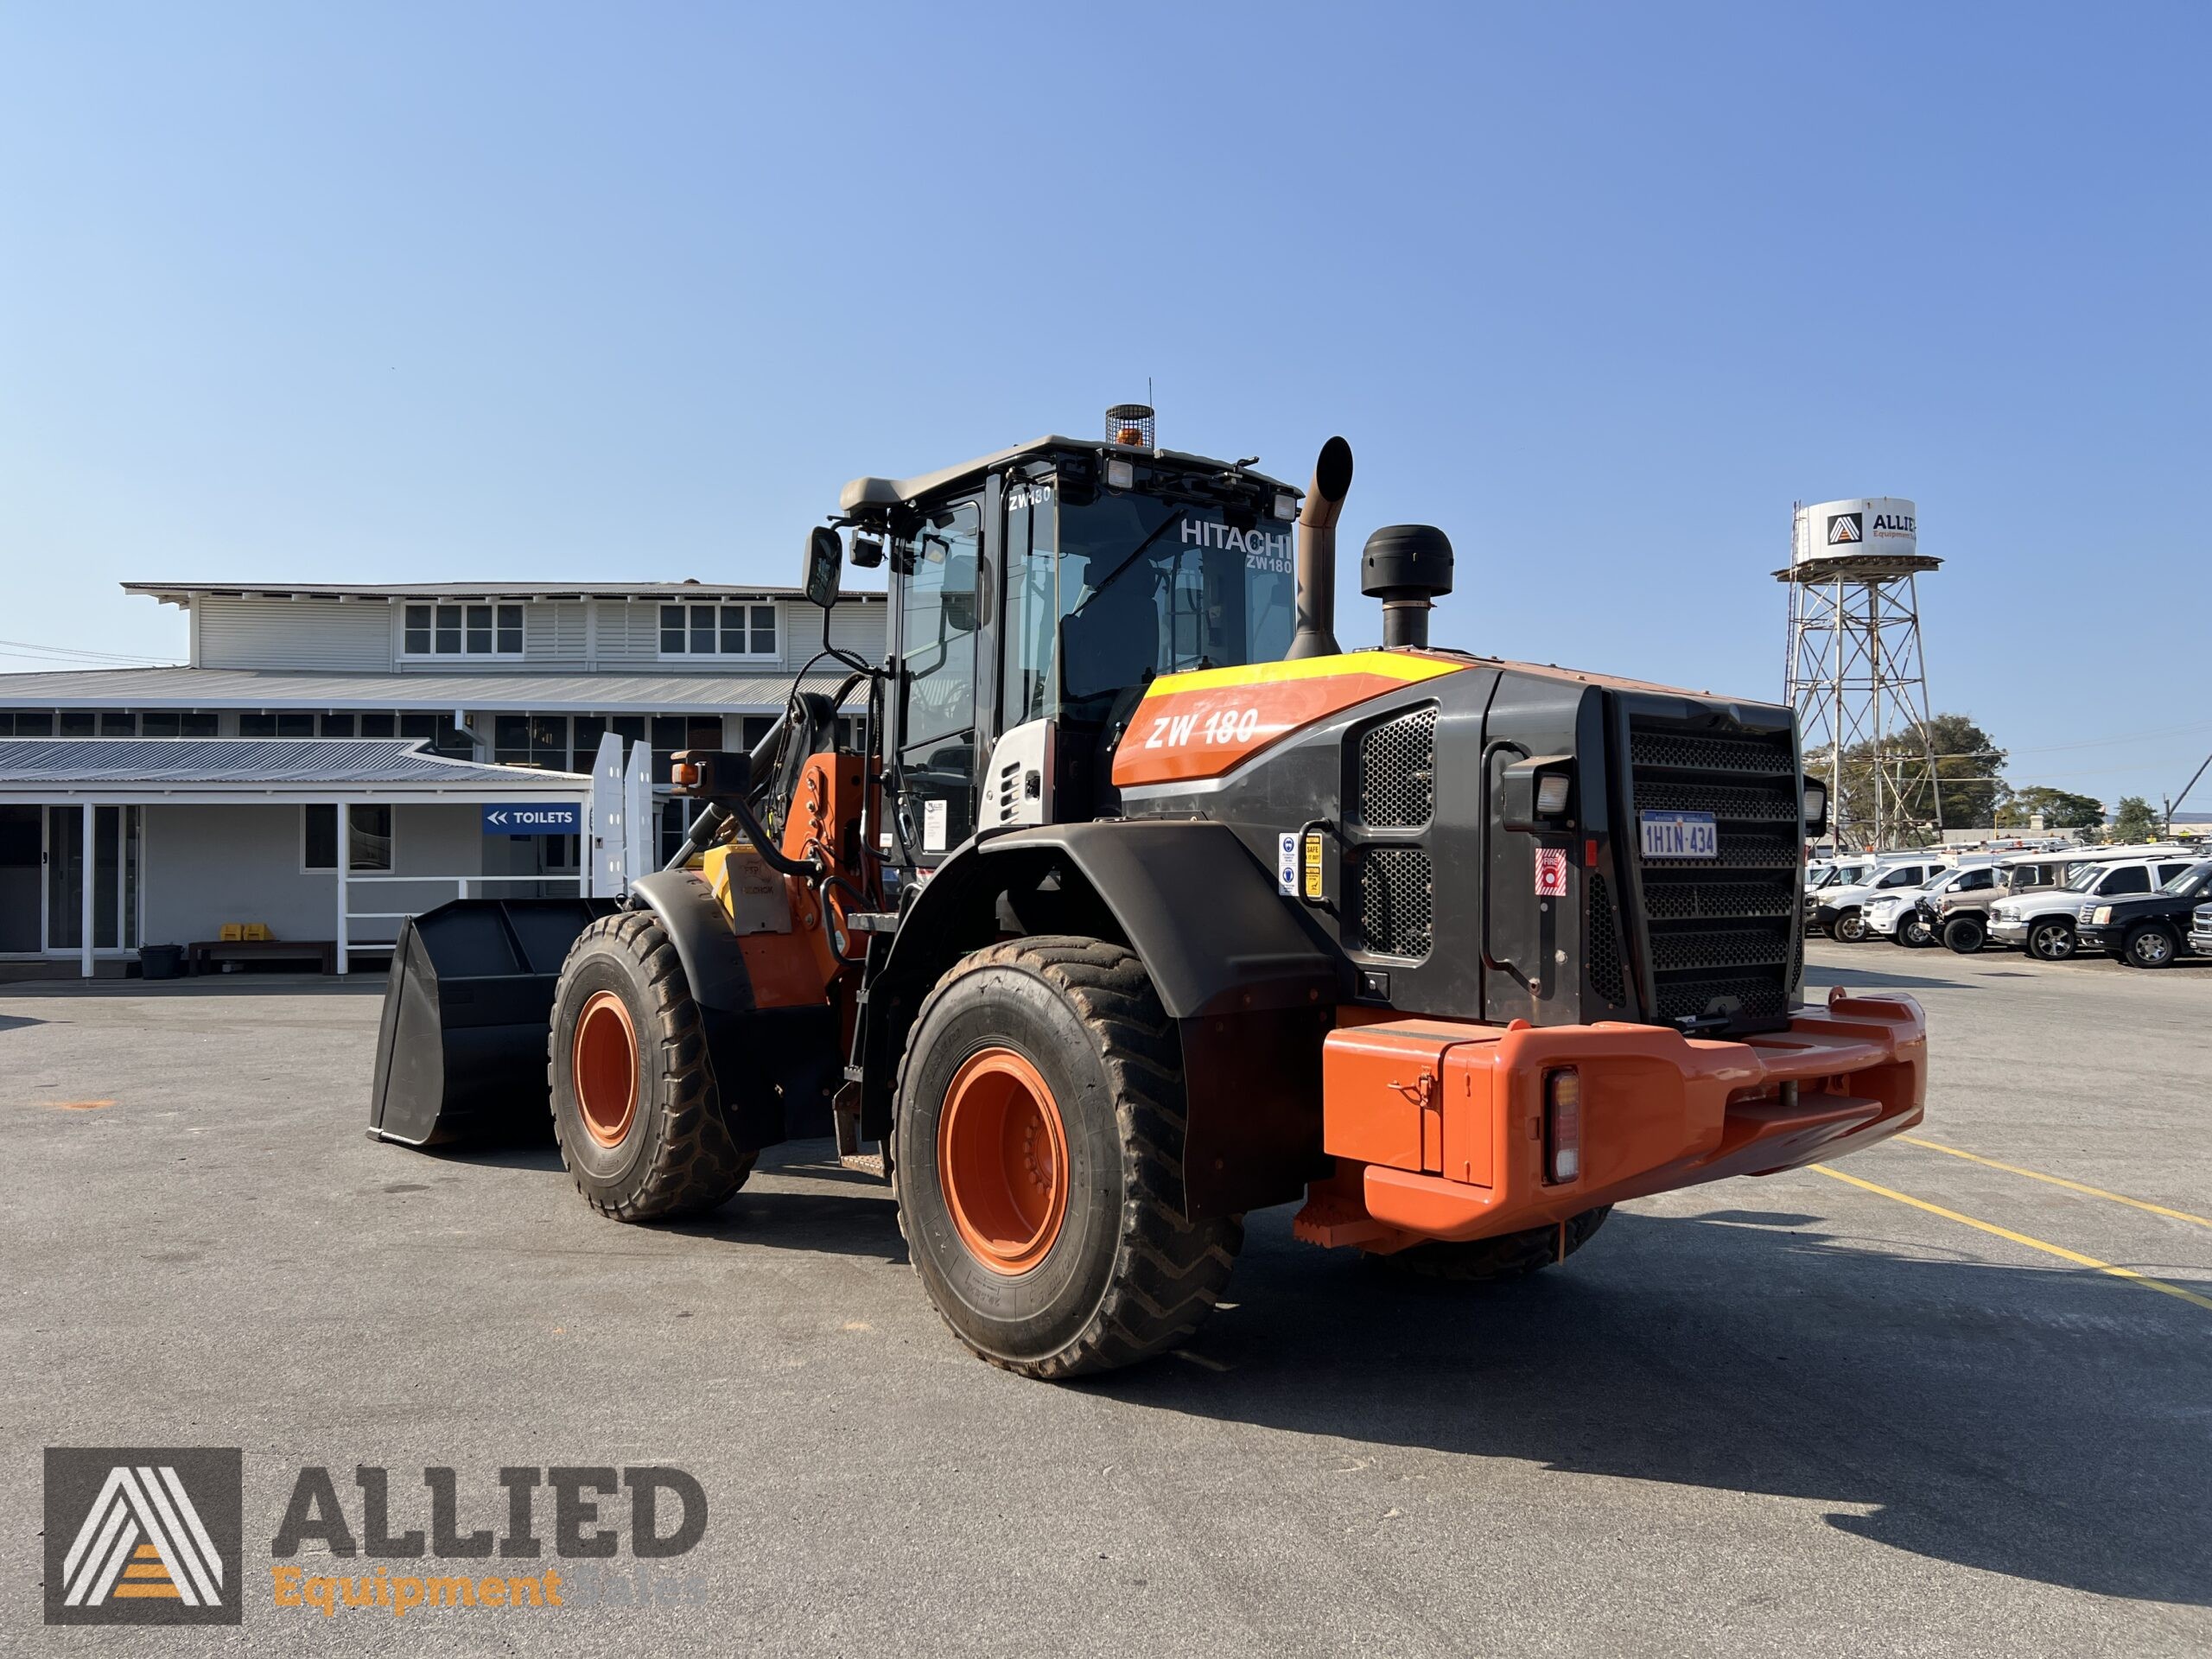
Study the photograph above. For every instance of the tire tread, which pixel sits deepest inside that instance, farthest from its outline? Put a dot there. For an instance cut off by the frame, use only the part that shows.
(1168, 1272)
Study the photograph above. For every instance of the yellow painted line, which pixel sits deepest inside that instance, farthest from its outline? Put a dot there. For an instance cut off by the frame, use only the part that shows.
(2056, 1180)
(2047, 1248)
(1382, 664)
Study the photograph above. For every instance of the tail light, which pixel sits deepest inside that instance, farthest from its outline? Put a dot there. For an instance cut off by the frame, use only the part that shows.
(1563, 1125)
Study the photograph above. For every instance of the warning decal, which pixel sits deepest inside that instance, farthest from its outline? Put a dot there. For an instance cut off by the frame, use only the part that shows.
(1551, 872)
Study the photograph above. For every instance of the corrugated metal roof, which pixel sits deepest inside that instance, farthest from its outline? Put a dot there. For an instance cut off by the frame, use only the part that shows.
(178, 592)
(259, 688)
(97, 761)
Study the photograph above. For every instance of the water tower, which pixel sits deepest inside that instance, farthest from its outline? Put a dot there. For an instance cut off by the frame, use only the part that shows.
(1854, 672)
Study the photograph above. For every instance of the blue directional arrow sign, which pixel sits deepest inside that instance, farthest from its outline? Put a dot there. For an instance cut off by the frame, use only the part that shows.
(556, 818)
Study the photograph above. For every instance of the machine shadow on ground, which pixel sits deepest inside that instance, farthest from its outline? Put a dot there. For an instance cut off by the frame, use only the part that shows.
(2035, 1423)
(2039, 1423)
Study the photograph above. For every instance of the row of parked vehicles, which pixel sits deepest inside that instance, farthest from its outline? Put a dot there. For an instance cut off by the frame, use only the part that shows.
(2149, 906)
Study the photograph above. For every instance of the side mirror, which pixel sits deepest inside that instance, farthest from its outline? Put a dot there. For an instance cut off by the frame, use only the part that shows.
(825, 563)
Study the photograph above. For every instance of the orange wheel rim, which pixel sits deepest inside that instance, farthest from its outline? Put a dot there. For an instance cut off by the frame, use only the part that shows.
(1002, 1161)
(603, 1062)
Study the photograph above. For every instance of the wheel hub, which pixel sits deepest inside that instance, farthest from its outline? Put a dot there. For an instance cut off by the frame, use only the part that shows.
(1002, 1161)
(603, 1067)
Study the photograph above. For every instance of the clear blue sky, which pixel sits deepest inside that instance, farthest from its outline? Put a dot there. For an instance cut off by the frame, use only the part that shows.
(405, 292)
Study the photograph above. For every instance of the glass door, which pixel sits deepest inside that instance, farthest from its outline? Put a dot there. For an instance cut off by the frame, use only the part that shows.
(116, 837)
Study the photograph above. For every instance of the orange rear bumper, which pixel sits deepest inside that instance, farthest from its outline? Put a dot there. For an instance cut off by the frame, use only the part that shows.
(1437, 1127)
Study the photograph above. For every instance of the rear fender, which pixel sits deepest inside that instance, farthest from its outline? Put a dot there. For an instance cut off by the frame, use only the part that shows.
(1252, 989)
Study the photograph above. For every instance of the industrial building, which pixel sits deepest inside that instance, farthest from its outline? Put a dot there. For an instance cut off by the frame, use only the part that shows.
(209, 795)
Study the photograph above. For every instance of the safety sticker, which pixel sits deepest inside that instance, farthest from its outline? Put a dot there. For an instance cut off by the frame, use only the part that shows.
(1551, 872)
(1286, 862)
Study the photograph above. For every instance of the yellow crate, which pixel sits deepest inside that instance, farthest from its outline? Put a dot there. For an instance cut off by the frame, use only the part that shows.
(258, 932)
(234, 931)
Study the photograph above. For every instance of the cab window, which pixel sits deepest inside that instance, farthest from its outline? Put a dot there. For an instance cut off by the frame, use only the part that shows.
(936, 660)
(2136, 880)
(1975, 882)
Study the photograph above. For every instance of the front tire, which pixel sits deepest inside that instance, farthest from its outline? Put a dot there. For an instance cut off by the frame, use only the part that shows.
(2052, 941)
(635, 1107)
(2149, 946)
(1039, 1158)
(1965, 934)
(1509, 1255)
(1914, 933)
(1848, 928)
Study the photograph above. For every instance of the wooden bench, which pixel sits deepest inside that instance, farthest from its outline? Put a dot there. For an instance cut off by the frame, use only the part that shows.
(203, 954)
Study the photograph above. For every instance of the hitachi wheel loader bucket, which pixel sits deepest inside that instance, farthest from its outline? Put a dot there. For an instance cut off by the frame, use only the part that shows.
(461, 1050)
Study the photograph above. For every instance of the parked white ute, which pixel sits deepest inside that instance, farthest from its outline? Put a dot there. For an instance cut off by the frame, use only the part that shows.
(2046, 922)
(1841, 911)
(1896, 916)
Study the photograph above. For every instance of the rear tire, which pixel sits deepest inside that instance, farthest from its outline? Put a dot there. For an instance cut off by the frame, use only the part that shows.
(2052, 941)
(2149, 946)
(1488, 1261)
(1965, 934)
(1038, 1161)
(1848, 928)
(635, 1107)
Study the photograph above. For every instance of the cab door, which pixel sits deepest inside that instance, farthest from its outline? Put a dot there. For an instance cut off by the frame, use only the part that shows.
(939, 619)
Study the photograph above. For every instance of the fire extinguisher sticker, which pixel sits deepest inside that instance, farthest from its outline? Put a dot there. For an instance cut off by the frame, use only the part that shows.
(1551, 872)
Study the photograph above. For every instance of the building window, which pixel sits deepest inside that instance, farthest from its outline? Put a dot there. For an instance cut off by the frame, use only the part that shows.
(277, 725)
(368, 840)
(74, 723)
(445, 738)
(379, 725)
(116, 725)
(718, 630)
(338, 725)
(27, 722)
(584, 753)
(462, 631)
(198, 723)
(540, 740)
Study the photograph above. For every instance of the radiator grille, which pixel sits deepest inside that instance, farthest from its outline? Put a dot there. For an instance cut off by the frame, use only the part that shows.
(1395, 900)
(1397, 772)
(1723, 932)
(1653, 748)
(1602, 943)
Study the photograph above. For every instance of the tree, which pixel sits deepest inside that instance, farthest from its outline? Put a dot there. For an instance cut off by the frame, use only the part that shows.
(2061, 809)
(2134, 821)
(1967, 762)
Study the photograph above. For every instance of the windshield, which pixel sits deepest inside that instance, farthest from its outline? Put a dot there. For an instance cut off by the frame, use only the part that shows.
(2191, 882)
(2079, 878)
(1148, 587)
(1842, 876)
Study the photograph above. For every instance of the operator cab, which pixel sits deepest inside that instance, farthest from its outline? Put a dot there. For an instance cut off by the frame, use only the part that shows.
(1034, 594)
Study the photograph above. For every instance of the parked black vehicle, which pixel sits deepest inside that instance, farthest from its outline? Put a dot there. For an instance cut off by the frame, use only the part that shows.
(2153, 930)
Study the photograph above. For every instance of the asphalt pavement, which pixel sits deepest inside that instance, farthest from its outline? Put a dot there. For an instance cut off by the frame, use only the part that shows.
(1959, 1403)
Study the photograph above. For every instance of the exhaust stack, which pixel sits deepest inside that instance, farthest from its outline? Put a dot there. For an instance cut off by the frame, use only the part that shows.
(1316, 635)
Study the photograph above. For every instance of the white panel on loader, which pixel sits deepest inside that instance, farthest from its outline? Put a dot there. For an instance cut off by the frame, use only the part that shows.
(610, 819)
(639, 843)
(1017, 785)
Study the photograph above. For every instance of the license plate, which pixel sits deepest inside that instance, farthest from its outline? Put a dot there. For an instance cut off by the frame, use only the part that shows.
(1678, 835)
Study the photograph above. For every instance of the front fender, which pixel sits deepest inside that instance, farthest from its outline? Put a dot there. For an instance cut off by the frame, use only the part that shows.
(1251, 987)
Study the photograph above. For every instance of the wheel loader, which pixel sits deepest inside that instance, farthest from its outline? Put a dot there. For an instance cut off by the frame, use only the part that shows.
(1139, 904)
